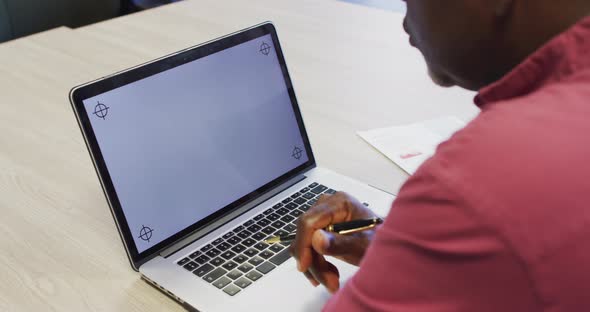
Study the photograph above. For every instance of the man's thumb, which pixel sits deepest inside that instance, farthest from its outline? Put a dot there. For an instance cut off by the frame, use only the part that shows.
(333, 244)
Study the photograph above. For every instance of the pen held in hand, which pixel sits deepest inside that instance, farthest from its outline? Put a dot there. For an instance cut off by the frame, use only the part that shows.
(339, 228)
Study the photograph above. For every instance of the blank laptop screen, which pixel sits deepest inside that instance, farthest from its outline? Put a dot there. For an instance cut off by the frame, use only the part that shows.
(184, 143)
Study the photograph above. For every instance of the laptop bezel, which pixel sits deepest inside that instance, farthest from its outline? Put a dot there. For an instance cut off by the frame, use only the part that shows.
(80, 93)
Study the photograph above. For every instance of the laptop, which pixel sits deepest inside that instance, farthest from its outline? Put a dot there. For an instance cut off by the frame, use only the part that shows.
(202, 155)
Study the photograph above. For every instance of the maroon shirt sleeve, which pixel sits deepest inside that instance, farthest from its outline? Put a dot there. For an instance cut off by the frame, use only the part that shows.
(433, 254)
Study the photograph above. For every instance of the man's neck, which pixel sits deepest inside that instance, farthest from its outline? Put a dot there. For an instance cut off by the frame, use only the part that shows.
(535, 22)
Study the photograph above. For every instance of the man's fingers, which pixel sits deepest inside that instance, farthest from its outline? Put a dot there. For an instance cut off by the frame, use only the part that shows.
(325, 273)
(311, 279)
(325, 212)
(333, 244)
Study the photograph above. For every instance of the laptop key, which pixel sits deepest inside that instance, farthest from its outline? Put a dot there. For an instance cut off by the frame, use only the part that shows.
(319, 189)
(330, 191)
(259, 217)
(240, 258)
(290, 228)
(256, 261)
(248, 223)
(305, 207)
(296, 213)
(217, 261)
(217, 241)
(254, 228)
(230, 265)
(292, 206)
(282, 211)
(238, 229)
(277, 206)
(308, 195)
(303, 198)
(228, 235)
(248, 242)
(300, 201)
(228, 255)
(238, 248)
(190, 266)
(251, 252)
(204, 269)
(254, 275)
(281, 233)
(184, 261)
(222, 282)
(245, 267)
(267, 211)
(259, 236)
(231, 289)
(312, 202)
(244, 234)
(286, 218)
(276, 247)
(243, 282)
(265, 267)
(314, 184)
(215, 274)
(202, 259)
(304, 190)
(287, 200)
(213, 253)
(235, 274)
(206, 248)
(273, 217)
(195, 254)
(234, 240)
(266, 254)
(295, 195)
(261, 246)
(278, 224)
(223, 246)
(280, 257)
(268, 230)
(263, 222)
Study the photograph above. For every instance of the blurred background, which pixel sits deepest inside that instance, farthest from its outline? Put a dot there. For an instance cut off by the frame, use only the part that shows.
(20, 18)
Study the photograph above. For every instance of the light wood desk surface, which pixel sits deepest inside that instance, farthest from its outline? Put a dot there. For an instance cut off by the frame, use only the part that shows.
(352, 70)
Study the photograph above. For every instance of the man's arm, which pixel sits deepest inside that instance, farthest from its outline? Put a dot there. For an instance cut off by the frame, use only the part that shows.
(434, 254)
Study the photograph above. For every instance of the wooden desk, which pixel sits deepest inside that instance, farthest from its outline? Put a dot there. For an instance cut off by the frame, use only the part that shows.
(352, 70)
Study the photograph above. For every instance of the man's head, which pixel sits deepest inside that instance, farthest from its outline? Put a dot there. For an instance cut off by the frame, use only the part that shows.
(472, 43)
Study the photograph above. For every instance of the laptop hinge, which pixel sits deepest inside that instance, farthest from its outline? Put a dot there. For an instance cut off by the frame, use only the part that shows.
(225, 219)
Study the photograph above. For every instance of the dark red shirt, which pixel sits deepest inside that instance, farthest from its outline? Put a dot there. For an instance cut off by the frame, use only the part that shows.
(499, 218)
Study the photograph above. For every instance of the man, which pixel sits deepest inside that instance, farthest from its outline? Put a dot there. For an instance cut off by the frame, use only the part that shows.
(499, 218)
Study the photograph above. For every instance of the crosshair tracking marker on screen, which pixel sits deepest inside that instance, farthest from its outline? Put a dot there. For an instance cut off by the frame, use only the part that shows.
(101, 110)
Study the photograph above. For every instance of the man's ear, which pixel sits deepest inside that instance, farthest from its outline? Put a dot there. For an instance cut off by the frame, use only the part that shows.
(504, 8)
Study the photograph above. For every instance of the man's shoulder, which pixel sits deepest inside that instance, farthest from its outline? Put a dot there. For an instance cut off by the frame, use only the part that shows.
(524, 162)
(542, 131)
(520, 147)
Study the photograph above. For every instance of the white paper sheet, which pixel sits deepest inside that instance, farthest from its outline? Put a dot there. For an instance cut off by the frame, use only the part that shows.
(409, 146)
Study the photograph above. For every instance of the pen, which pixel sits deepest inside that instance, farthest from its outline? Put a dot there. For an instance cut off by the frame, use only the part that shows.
(339, 228)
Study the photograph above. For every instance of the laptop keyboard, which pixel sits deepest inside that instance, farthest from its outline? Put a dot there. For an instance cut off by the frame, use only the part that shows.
(240, 257)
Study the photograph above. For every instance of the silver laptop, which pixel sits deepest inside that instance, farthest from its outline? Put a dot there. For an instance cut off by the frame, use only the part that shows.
(202, 155)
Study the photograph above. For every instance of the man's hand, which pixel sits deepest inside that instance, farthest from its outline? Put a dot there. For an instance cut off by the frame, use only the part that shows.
(313, 243)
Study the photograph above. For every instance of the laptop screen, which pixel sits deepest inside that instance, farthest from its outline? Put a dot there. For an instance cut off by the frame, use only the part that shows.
(186, 142)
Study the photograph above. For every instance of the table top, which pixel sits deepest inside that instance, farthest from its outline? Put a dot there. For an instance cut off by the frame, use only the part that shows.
(352, 69)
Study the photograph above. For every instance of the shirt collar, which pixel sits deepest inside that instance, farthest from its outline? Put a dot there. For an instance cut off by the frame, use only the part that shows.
(559, 58)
